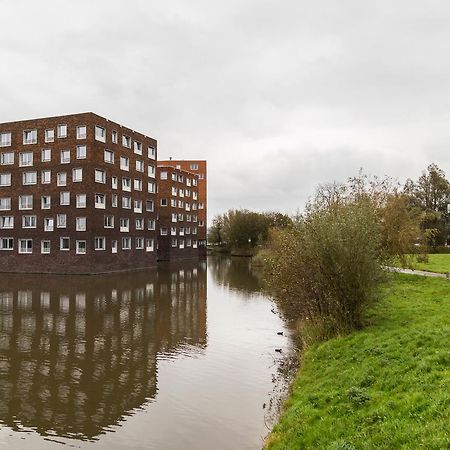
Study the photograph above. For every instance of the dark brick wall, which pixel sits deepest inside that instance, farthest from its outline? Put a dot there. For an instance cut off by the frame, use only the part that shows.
(69, 261)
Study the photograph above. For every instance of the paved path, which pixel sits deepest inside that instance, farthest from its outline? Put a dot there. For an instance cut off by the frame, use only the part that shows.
(422, 273)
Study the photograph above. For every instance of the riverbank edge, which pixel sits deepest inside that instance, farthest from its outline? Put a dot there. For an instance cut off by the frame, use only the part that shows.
(378, 387)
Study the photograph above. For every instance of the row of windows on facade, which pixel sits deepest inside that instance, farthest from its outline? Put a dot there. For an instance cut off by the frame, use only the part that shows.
(26, 159)
(180, 178)
(31, 178)
(30, 221)
(31, 137)
(174, 231)
(26, 202)
(181, 204)
(25, 246)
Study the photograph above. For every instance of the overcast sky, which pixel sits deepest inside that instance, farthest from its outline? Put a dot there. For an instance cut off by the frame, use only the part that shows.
(278, 96)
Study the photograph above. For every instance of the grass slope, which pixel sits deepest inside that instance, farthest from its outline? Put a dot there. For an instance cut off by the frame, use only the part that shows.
(439, 263)
(385, 387)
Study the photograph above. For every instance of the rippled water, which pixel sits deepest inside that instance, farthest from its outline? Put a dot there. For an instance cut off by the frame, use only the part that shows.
(182, 357)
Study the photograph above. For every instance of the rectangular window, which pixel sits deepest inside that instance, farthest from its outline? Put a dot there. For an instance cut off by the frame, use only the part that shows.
(126, 202)
(126, 184)
(77, 175)
(151, 224)
(124, 163)
(174, 177)
(100, 201)
(6, 243)
(80, 247)
(25, 202)
(30, 136)
(137, 185)
(100, 134)
(114, 137)
(114, 200)
(80, 224)
(163, 175)
(108, 156)
(29, 178)
(48, 224)
(61, 221)
(65, 156)
(50, 135)
(62, 131)
(81, 201)
(64, 198)
(28, 221)
(163, 202)
(151, 171)
(151, 187)
(137, 206)
(45, 247)
(108, 222)
(61, 179)
(6, 222)
(7, 158)
(140, 166)
(81, 151)
(5, 179)
(173, 231)
(46, 176)
(174, 217)
(25, 246)
(100, 243)
(25, 159)
(139, 243)
(139, 224)
(124, 225)
(81, 132)
(163, 231)
(188, 182)
(174, 242)
(46, 202)
(114, 182)
(100, 176)
(46, 155)
(126, 243)
(137, 148)
(126, 141)
(194, 166)
(149, 245)
(150, 205)
(64, 244)
(200, 205)
(5, 203)
(5, 139)
(151, 152)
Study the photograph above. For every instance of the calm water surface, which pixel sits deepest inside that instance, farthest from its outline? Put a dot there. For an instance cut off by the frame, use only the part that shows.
(182, 357)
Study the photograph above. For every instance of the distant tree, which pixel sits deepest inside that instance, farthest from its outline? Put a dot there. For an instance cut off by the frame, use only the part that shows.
(215, 232)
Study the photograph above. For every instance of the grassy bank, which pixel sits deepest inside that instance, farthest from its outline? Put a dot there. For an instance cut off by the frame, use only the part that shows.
(439, 263)
(385, 387)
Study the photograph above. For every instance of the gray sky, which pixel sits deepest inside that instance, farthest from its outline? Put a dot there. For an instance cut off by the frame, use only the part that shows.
(278, 96)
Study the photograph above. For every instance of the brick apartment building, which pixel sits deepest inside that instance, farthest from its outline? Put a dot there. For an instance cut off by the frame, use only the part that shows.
(77, 195)
(177, 205)
(198, 167)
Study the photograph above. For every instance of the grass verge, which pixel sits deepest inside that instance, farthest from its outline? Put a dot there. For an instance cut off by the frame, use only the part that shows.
(439, 263)
(385, 387)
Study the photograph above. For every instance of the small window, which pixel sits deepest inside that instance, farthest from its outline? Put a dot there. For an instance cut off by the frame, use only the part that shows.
(64, 244)
(5, 179)
(126, 184)
(124, 225)
(30, 137)
(25, 202)
(126, 243)
(50, 135)
(138, 148)
(6, 222)
(77, 175)
(137, 184)
(174, 243)
(163, 175)
(124, 163)
(80, 247)
(48, 224)
(80, 224)
(108, 156)
(61, 179)
(81, 151)
(100, 201)
(25, 245)
(139, 224)
(29, 178)
(108, 222)
(5, 139)
(62, 131)
(100, 176)
(164, 202)
(100, 243)
(114, 182)
(45, 247)
(46, 202)
(61, 220)
(81, 201)
(100, 134)
(6, 159)
(25, 159)
(126, 141)
(150, 205)
(5, 203)
(114, 200)
(194, 166)
(151, 187)
(151, 171)
(64, 198)
(65, 156)
(139, 243)
(151, 224)
(81, 132)
(126, 202)
(151, 152)
(114, 137)
(7, 243)
(140, 165)
(46, 155)
(28, 221)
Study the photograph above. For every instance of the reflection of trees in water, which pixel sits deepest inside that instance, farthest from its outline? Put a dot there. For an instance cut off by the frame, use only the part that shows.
(79, 353)
(235, 272)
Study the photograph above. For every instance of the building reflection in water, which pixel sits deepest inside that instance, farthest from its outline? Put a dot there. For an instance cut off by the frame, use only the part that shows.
(79, 353)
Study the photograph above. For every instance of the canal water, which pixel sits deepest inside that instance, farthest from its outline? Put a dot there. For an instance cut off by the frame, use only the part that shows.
(182, 357)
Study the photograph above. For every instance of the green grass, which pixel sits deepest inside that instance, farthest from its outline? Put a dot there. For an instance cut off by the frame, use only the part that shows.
(385, 387)
(437, 263)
